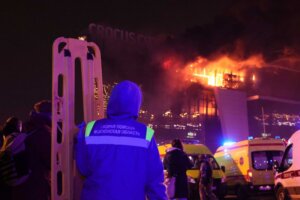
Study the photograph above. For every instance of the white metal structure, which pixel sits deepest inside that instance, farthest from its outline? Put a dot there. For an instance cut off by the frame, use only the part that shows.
(287, 178)
(66, 183)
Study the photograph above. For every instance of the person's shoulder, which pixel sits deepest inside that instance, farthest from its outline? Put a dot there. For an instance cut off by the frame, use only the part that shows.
(20, 136)
(38, 133)
(139, 124)
(103, 120)
(180, 152)
(44, 130)
(97, 123)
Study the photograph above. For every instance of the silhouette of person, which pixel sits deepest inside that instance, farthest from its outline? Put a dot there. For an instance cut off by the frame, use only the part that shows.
(10, 135)
(177, 163)
(205, 179)
(38, 148)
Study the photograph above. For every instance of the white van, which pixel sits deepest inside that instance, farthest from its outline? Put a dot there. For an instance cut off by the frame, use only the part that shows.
(287, 177)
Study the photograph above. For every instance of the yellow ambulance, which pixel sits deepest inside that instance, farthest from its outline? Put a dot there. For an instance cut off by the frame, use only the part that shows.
(194, 152)
(287, 177)
(249, 165)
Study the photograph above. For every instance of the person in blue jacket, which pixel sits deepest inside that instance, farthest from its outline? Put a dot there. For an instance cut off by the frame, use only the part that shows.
(117, 155)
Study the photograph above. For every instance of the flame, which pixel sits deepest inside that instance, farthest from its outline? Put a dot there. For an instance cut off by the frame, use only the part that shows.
(221, 71)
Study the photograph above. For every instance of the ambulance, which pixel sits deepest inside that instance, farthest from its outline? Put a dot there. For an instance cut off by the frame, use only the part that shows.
(287, 177)
(249, 165)
(194, 152)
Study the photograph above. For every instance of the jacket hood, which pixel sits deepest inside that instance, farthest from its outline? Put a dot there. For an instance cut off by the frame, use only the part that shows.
(125, 101)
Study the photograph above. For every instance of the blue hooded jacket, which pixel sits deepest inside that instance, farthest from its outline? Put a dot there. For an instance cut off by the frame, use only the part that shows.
(118, 155)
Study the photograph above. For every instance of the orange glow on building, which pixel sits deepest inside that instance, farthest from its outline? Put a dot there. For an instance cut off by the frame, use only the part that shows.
(221, 71)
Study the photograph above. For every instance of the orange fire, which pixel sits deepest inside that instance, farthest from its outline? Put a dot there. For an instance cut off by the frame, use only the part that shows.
(221, 71)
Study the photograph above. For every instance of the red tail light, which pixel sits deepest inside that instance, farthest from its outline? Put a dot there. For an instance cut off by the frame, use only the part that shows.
(249, 175)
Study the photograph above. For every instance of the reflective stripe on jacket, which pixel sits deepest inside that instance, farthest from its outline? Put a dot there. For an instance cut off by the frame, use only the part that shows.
(118, 134)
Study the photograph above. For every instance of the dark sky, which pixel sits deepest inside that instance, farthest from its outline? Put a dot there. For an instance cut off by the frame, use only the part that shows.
(29, 28)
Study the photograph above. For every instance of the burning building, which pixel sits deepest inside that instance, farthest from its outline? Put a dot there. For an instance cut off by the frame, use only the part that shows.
(182, 77)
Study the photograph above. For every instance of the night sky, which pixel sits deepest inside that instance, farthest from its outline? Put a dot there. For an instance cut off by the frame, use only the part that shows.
(29, 29)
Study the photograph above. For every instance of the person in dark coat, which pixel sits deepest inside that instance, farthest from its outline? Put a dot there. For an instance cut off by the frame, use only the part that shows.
(38, 147)
(15, 164)
(205, 179)
(8, 172)
(176, 163)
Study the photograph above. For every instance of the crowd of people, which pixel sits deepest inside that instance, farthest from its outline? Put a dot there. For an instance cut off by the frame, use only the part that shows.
(117, 155)
(25, 150)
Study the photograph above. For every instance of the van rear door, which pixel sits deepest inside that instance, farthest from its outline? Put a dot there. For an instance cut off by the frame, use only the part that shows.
(262, 165)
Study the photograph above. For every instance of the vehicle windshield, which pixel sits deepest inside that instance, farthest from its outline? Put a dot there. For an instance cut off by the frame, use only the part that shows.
(287, 160)
(264, 160)
(195, 159)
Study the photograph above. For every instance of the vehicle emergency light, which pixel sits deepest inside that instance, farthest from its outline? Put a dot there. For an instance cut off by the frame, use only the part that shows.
(228, 143)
